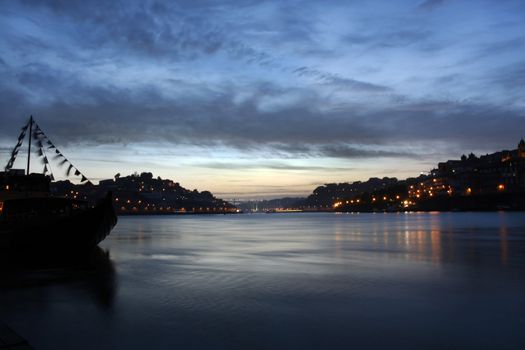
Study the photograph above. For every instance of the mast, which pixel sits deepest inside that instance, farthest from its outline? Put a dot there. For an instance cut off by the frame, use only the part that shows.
(29, 148)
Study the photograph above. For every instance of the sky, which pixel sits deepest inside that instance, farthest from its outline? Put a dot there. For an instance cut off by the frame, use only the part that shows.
(263, 99)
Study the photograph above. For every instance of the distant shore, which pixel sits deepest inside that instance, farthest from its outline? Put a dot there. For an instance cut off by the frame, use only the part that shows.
(482, 203)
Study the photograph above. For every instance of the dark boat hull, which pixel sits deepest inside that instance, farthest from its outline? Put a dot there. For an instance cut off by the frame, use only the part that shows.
(81, 230)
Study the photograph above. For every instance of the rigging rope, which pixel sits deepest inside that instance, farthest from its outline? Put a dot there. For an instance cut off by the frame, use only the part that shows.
(15, 150)
(40, 137)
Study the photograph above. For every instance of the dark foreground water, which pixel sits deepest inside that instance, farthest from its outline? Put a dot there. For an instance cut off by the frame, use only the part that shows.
(283, 281)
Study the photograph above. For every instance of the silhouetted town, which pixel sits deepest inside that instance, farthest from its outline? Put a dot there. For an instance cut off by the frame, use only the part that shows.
(490, 182)
(145, 194)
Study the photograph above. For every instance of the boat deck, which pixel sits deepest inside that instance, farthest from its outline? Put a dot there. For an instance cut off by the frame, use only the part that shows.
(10, 340)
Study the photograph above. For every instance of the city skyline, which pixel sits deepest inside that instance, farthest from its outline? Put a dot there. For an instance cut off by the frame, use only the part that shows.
(264, 99)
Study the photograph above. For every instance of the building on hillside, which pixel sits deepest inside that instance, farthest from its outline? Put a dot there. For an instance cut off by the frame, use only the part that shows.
(502, 171)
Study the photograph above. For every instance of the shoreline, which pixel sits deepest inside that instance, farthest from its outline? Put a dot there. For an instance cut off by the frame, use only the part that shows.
(326, 211)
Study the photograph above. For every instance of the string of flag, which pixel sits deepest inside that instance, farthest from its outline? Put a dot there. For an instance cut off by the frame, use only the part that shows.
(42, 139)
(44, 145)
(15, 150)
(47, 165)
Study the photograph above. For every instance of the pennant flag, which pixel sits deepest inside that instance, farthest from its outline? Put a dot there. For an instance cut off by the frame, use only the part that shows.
(41, 139)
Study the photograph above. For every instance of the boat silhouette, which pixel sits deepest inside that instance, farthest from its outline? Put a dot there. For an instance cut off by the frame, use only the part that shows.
(31, 218)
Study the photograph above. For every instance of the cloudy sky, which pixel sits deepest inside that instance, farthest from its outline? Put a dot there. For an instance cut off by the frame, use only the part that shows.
(259, 98)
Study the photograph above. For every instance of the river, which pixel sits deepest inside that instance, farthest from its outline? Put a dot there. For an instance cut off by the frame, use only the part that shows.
(283, 281)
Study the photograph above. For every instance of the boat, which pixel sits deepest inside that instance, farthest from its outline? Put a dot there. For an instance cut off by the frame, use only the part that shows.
(32, 218)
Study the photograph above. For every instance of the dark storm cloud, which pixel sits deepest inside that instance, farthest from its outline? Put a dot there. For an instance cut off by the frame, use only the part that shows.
(335, 150)
(284, 119)
(345, 151)
(182, 31)
(174, 32)
(389, 38)
(171, 30)
(333, 79)
(148, 29)
(115, 116)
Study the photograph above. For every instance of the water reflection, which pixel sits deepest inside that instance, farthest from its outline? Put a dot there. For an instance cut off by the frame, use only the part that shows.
(504, 244)
(430, 237)
(92, 271)
(298, 281)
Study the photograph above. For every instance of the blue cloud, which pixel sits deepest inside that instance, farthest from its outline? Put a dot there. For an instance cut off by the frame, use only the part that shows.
(345, 80)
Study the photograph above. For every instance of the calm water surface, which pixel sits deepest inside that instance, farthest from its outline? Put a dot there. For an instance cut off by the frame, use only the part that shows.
(284, 281)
